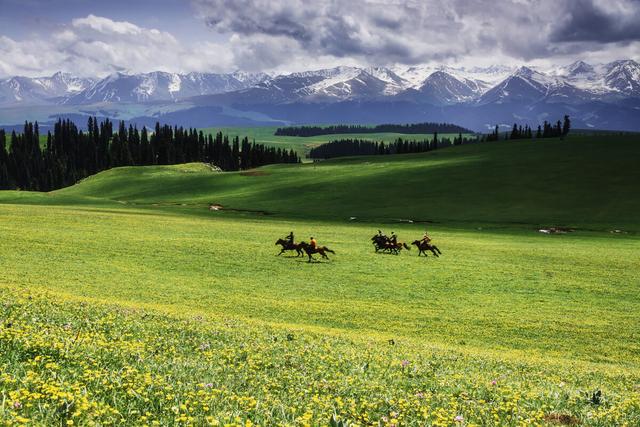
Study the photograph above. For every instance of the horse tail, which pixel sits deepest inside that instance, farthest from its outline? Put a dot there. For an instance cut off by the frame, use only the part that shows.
(328, 250)
(407, 247)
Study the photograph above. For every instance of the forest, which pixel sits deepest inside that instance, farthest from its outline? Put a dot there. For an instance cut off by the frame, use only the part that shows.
(69, 154)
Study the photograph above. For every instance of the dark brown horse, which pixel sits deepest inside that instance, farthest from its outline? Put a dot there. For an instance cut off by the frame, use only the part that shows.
(384, 244)
(423, 247)
(288, 246)
(395, 248)
(310, 250)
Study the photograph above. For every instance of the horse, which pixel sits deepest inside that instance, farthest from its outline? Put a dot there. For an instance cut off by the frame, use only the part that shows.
(322, 250)
(425, 246)
(384, 244)
(379, 242)
(395, 248)
(288, 246)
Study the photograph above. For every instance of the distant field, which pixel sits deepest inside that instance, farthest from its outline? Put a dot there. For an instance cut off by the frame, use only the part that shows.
(265, 135)
(125, 300)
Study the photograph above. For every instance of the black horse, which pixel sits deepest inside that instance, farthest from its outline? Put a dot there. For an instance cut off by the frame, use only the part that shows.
(384, 244)
(424, 246)
(288, 246)
(310, 250)
(379, 242)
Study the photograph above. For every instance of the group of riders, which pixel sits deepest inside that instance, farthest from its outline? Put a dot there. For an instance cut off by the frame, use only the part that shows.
(390, 244)
(288, 244)
(381, 243)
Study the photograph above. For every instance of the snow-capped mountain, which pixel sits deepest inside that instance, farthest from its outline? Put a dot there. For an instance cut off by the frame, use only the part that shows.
(597, 95)
(162, 86)
(446, 88)
(439, 85)
(40, 90)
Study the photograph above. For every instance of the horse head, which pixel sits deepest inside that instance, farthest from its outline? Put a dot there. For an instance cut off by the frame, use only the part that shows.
(416, 242)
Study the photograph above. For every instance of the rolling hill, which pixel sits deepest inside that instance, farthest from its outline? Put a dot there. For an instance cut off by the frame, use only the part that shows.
(582, 181)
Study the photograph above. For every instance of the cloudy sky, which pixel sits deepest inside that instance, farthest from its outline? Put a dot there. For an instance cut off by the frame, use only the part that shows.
(94, 38)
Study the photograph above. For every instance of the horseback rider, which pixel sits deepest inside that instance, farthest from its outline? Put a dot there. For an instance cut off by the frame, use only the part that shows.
(393, 239)
(313, 243)
(425, 238)
(289, 238)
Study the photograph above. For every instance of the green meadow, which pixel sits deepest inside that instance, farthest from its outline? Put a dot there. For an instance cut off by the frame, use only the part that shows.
(126, 300)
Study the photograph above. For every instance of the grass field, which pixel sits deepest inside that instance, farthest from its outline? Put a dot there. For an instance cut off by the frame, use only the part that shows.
(125, 300)
(302, 145)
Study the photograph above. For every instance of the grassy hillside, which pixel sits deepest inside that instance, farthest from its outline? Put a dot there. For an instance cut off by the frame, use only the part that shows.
(124, 300)
(582, 182)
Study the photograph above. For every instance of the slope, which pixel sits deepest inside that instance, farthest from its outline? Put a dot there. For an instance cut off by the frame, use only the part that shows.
(588, 182)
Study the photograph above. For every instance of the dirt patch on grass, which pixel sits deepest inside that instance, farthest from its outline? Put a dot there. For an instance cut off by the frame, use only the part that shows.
(555, 230)
(561, 419)
(254, 173)
(218, 207)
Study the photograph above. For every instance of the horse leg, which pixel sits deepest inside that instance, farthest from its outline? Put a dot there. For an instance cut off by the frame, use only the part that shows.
(438, 250)
(281, 252)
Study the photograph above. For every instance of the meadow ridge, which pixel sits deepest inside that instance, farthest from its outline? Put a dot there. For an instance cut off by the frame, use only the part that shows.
(126, 300)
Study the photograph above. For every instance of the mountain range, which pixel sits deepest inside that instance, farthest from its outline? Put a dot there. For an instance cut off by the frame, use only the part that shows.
(604, 96)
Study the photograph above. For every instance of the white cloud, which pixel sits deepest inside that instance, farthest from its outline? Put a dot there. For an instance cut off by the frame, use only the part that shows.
(466, 32)
(95, 46)
(294, 35)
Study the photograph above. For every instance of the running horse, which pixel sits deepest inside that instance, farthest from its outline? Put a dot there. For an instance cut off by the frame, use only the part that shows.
(423, 247)
(288, 246)
(310, 250)
(384, 244)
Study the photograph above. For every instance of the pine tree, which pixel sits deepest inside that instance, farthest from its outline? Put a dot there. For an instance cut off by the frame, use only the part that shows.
(566, 127)
(5, 182)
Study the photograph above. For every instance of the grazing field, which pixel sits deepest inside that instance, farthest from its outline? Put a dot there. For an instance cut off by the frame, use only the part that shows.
(265, 135)
(582, 182)
(125, 300)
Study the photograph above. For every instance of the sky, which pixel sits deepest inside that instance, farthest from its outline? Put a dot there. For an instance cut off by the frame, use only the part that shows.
(95, 38)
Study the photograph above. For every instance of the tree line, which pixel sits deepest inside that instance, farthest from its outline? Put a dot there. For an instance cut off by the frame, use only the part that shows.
(415, 128)
(547, 130)
(70, 154)
(360, 147)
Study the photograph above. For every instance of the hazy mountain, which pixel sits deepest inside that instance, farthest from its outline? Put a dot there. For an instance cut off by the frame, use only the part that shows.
(161, 86)
(40, 90)
(597, 95)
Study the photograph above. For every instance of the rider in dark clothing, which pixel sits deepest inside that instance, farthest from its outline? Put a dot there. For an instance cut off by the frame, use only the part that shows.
(289, 238)
(393, 239)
